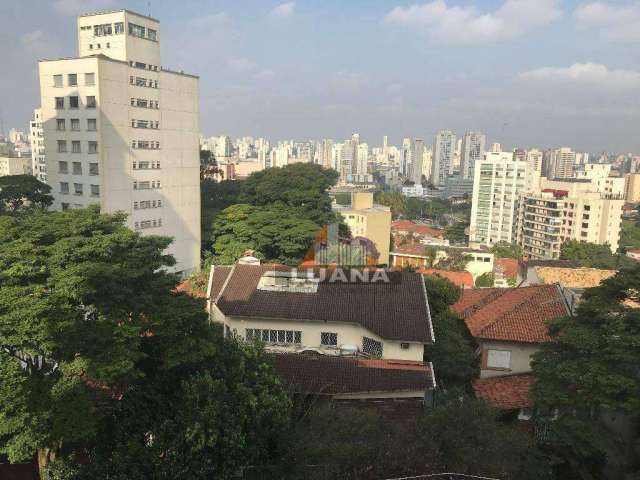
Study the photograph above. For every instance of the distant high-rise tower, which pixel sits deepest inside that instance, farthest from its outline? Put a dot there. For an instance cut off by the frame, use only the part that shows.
(443, 149)
(472, 150)
(417, 156)
(122, 132)
(325, 151)
(36, 135)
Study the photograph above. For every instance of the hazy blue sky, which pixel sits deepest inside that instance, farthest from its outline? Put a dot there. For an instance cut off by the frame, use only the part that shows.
(526, 72)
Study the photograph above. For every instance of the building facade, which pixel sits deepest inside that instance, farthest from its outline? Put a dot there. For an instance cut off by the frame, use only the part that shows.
(15, 166)
(38, 159)
(472, 150)
(499, 180)
(632, 187)
(122, 132)
(444, 147)
(572, 209)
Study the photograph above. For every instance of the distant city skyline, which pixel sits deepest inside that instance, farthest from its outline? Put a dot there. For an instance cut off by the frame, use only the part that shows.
(526, 73)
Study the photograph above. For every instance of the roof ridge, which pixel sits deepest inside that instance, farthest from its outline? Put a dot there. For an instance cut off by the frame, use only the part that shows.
(226, 282)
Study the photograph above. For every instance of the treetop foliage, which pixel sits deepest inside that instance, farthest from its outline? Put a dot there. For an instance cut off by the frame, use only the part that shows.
(23, 192)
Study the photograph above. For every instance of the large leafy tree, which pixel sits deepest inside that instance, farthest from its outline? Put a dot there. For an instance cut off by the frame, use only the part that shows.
(453, 353)
(302, 187)
(20, 192)
(276, 233)
(215, 197)
(590, 369)
(396, 201)
(507, 250)
(89, 320)
(592, 255)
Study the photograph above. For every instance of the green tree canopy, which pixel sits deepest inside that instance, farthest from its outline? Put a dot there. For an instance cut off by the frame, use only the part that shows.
(302, 187)
(456, 261)
(277, 234)
(507, 250)
(19, 192)
(485, 280)
(592, 255)
(90, 326)
(396, 201)
(215, 197)
(591, 368)
(453, 353)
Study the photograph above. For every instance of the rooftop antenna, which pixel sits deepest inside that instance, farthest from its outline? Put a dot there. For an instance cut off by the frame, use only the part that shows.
(149, 7)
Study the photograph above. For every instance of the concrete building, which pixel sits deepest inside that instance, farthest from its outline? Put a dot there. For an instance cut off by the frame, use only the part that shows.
(443, 150)
(325, 151)
(632, 187)
(38, 159)
(417, 158)
(121, 131)
(499, 181)
(571, 209)
(15, 166)
(472, 150)
(534, 159)
(224, 147)
(368, 220)
(561, 163)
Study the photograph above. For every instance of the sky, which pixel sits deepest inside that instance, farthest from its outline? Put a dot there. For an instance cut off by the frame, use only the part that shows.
(528, 73)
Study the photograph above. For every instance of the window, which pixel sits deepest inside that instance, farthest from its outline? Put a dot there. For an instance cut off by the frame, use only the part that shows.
(274, 336)
(64, 188)
(91, 102)
(72, 79)
(136, 30)
(372, 347)
(73, 102)
(77, 168)
(62, 146)
(328, 338)
(65, 206)
(100, 30)
(91, 124)
(585, 225)
(93, 147)
(90, 46)
(89, 79)
(57, 80)
(75, 124)
(95, 190)
(141, 82)
(151, 34)
(118, 27)
(499, 359)
(75, 146)
(63, 167)
(77, 189)
(60, 124)
(59, 103)
(405, 346)
(93, 169)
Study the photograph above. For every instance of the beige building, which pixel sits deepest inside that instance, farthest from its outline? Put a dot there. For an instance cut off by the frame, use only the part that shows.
(509, 324)
(15, 166)
(369, 220)
(121, 131)
(572, 209)
(632, 187)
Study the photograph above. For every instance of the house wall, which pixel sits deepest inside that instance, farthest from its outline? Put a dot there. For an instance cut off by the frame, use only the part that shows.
(348, 334)
(520, 357)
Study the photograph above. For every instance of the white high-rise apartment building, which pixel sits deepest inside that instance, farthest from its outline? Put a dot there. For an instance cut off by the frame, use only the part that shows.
(561, 163)
(534, 159)
(325, 152)
(36, 135)
(443, 150)
(472, 150)
(499, 180)
(363, 158)
(122, 132)
(224, 147)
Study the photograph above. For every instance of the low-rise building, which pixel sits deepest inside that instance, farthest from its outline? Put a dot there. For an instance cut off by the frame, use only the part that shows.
(372, 312)
(510, 324)
(507, 393)
(368, 220)
(15, 166)
(634, 253)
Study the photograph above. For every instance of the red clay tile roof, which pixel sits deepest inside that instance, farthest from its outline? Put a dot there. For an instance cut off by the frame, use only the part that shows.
(509, 392)
(321, 374)
(409, 249)
(460, 279)
(418, 229)
(396, 311)
(508, 266)
(511, 314)
(187, 287)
